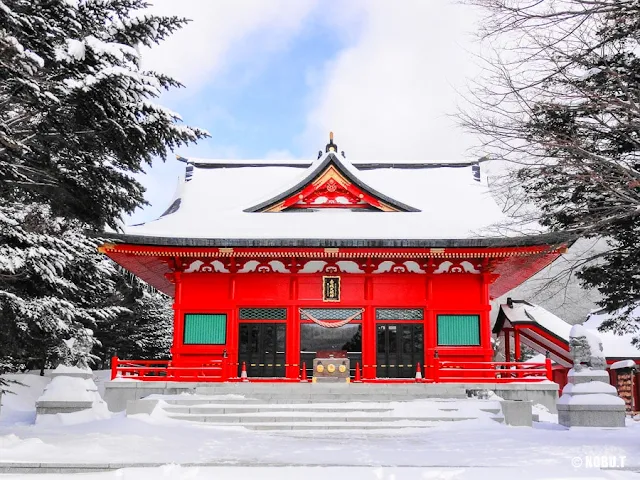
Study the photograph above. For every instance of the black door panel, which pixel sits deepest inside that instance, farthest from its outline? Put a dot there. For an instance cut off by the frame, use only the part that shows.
(262, 348)
(400, 347)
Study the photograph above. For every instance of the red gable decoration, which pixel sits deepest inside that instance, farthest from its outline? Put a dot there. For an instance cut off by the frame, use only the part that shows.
(331, 190)
(331, 185)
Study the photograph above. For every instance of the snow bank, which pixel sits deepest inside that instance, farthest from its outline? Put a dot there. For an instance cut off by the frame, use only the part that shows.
(24, 394)
(65, 389)
(96, 412)
(544, 415)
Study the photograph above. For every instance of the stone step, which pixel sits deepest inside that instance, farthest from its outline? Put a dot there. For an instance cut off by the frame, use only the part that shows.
(310, 419)
(324, 412)
(204, 401)
(316, 426)
(321, 398)
(350, 391)
(214, 408)
(258, 408)
(345, 390)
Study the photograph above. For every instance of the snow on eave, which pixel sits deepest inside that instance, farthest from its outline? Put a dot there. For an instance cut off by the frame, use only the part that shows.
(233, 163)
(211, 242)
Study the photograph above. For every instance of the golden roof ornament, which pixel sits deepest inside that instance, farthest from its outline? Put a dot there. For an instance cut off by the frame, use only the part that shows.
(331, 147)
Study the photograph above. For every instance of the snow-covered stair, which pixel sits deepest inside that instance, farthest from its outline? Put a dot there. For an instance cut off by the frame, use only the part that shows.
(218, 411)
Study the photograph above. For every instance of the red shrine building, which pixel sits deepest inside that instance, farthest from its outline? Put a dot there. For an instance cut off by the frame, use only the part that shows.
(273, 264)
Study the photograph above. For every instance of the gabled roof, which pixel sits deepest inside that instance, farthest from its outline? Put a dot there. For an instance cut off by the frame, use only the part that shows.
(333, 171)
(542, 330)
(403, 203)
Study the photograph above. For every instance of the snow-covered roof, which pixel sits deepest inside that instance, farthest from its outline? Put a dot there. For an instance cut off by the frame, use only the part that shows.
(525, 313)
(528, 314)
(214, 200)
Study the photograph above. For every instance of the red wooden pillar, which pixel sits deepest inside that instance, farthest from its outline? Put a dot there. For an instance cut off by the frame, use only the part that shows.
(176, 347)
(636, 392)
(368, 332)
(114, 367)
(233, 331)
(292, 355)
(430, 330)
(516, 344)
(485, 319)
(507, 344)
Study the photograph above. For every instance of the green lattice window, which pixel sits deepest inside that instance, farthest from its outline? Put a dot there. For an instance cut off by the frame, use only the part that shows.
(205, 329)
(458, 330)
(263, 314)
(399, 314)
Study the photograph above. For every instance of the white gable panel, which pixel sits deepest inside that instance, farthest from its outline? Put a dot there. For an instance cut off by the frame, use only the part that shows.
(452, 205)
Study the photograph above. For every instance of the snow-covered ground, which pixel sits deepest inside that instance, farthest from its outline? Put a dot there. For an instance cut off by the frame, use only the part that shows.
(467, 449)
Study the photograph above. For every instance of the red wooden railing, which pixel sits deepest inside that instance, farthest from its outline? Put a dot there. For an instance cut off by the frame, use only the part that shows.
(162, 370)
(492, 372)
(217, 370)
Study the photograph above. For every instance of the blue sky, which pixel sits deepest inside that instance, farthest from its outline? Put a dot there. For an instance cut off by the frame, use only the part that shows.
(270, 78)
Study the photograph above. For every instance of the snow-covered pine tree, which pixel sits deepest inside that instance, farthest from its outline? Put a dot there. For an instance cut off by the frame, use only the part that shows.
(144, 330)
(561, 100)
(77, 119)
(78, 110)
(54, 288)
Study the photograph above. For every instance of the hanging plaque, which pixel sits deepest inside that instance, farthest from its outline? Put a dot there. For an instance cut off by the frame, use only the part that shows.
(330, 289)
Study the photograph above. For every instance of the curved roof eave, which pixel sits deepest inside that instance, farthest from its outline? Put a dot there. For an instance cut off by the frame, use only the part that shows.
(329, 159)
(554, 238)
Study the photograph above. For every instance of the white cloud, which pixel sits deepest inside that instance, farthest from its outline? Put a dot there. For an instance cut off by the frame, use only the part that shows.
(390, 93)
(219, 28)
(386, 95)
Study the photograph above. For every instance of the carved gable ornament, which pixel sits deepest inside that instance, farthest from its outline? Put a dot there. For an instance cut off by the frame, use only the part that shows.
(331, 184)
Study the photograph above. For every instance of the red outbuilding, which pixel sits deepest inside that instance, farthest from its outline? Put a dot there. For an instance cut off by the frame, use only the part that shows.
(273, 264)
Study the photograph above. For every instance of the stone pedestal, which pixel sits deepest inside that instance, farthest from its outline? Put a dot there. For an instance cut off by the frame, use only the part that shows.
(588, 400)
(591, 415)
(71, 390)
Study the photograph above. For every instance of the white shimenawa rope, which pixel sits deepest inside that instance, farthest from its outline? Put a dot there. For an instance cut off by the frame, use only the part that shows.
(322, 323)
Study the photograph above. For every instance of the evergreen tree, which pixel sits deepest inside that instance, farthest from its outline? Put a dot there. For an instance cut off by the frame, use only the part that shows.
(77, 120)
(563, 104)
(144, 330)
(55, 287)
